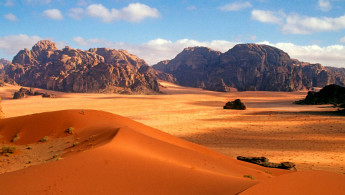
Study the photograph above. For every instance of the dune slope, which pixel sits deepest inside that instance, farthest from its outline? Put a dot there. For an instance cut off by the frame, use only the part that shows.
(117, 155)
(306, 182)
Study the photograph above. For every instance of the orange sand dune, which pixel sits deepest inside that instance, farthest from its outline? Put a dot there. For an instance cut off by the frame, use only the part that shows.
(126, 157)
(116, 155)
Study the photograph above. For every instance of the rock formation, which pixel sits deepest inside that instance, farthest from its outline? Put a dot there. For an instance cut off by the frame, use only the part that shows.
(331, 94)
(263, 161)
(24, 92)
(4, 63)
(74, 70)
(247, 67)
(3, 77)
(236, 104)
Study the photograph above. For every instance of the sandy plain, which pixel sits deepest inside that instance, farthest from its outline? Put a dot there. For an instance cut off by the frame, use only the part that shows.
(313, 137)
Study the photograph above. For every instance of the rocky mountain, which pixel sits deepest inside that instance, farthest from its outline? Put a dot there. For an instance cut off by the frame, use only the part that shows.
(246, 67)
(3, 77)
(75, 70)
(4, 63)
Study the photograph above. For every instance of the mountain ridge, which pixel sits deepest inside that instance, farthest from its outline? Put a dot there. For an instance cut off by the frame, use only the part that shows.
(247, 67)
(75, 70)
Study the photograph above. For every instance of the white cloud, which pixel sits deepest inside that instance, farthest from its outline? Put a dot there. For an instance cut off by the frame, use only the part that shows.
(324, 5)
(342, 40)
(297, 24)
(54, 14)
(268, 16)
(11, 44)
(235, 6)
(11, 17)
(134, 12)
(99, 11)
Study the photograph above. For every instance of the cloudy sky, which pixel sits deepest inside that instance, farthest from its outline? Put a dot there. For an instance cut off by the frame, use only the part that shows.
(155, 30)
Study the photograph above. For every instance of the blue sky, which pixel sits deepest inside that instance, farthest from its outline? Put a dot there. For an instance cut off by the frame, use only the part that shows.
(312, 31)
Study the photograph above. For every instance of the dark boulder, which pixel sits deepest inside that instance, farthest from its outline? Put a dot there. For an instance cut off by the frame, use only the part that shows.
(330, 94)
(24, 92)
(263, 161)
(236, 104)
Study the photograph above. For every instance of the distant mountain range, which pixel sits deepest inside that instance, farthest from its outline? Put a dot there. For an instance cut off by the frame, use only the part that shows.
(244, 67)
(247, 67)
(75, 70)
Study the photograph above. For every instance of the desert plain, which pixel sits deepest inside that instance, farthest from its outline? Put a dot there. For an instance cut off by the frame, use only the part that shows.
(313, 137)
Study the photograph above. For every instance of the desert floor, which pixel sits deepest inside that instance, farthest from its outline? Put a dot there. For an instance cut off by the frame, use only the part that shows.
(313, 137)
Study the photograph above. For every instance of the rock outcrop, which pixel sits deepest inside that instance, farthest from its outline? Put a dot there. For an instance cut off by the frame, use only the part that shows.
(263, 161)
(4, 63)
(75, 70)
(247, 67)
(24, 92)
(3, 77)
(331, 94)
(236, 104)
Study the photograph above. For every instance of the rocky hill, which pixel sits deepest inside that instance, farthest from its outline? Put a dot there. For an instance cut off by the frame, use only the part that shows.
(75, 70)
(246, 67)
(4, 63)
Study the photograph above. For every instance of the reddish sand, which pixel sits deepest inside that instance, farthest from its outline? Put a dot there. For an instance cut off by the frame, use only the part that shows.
(126, 157)
(116, 155)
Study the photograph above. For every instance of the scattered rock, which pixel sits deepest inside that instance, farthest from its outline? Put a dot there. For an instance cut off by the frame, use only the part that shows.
(24, 92)
(236, 104)
(263, 161)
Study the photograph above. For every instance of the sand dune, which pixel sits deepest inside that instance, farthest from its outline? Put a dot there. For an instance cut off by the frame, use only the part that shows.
(118, 155)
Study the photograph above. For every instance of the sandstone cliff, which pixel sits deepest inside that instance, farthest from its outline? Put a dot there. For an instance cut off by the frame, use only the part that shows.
(74, 70)
(246, 67)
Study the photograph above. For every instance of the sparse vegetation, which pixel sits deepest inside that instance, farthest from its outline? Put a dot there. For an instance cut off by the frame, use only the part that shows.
(70, 130)
(249, 176)
(75, 144)
(44, 139)
(16, 138)
(268, 172)
(7, 150)
(55, 155)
